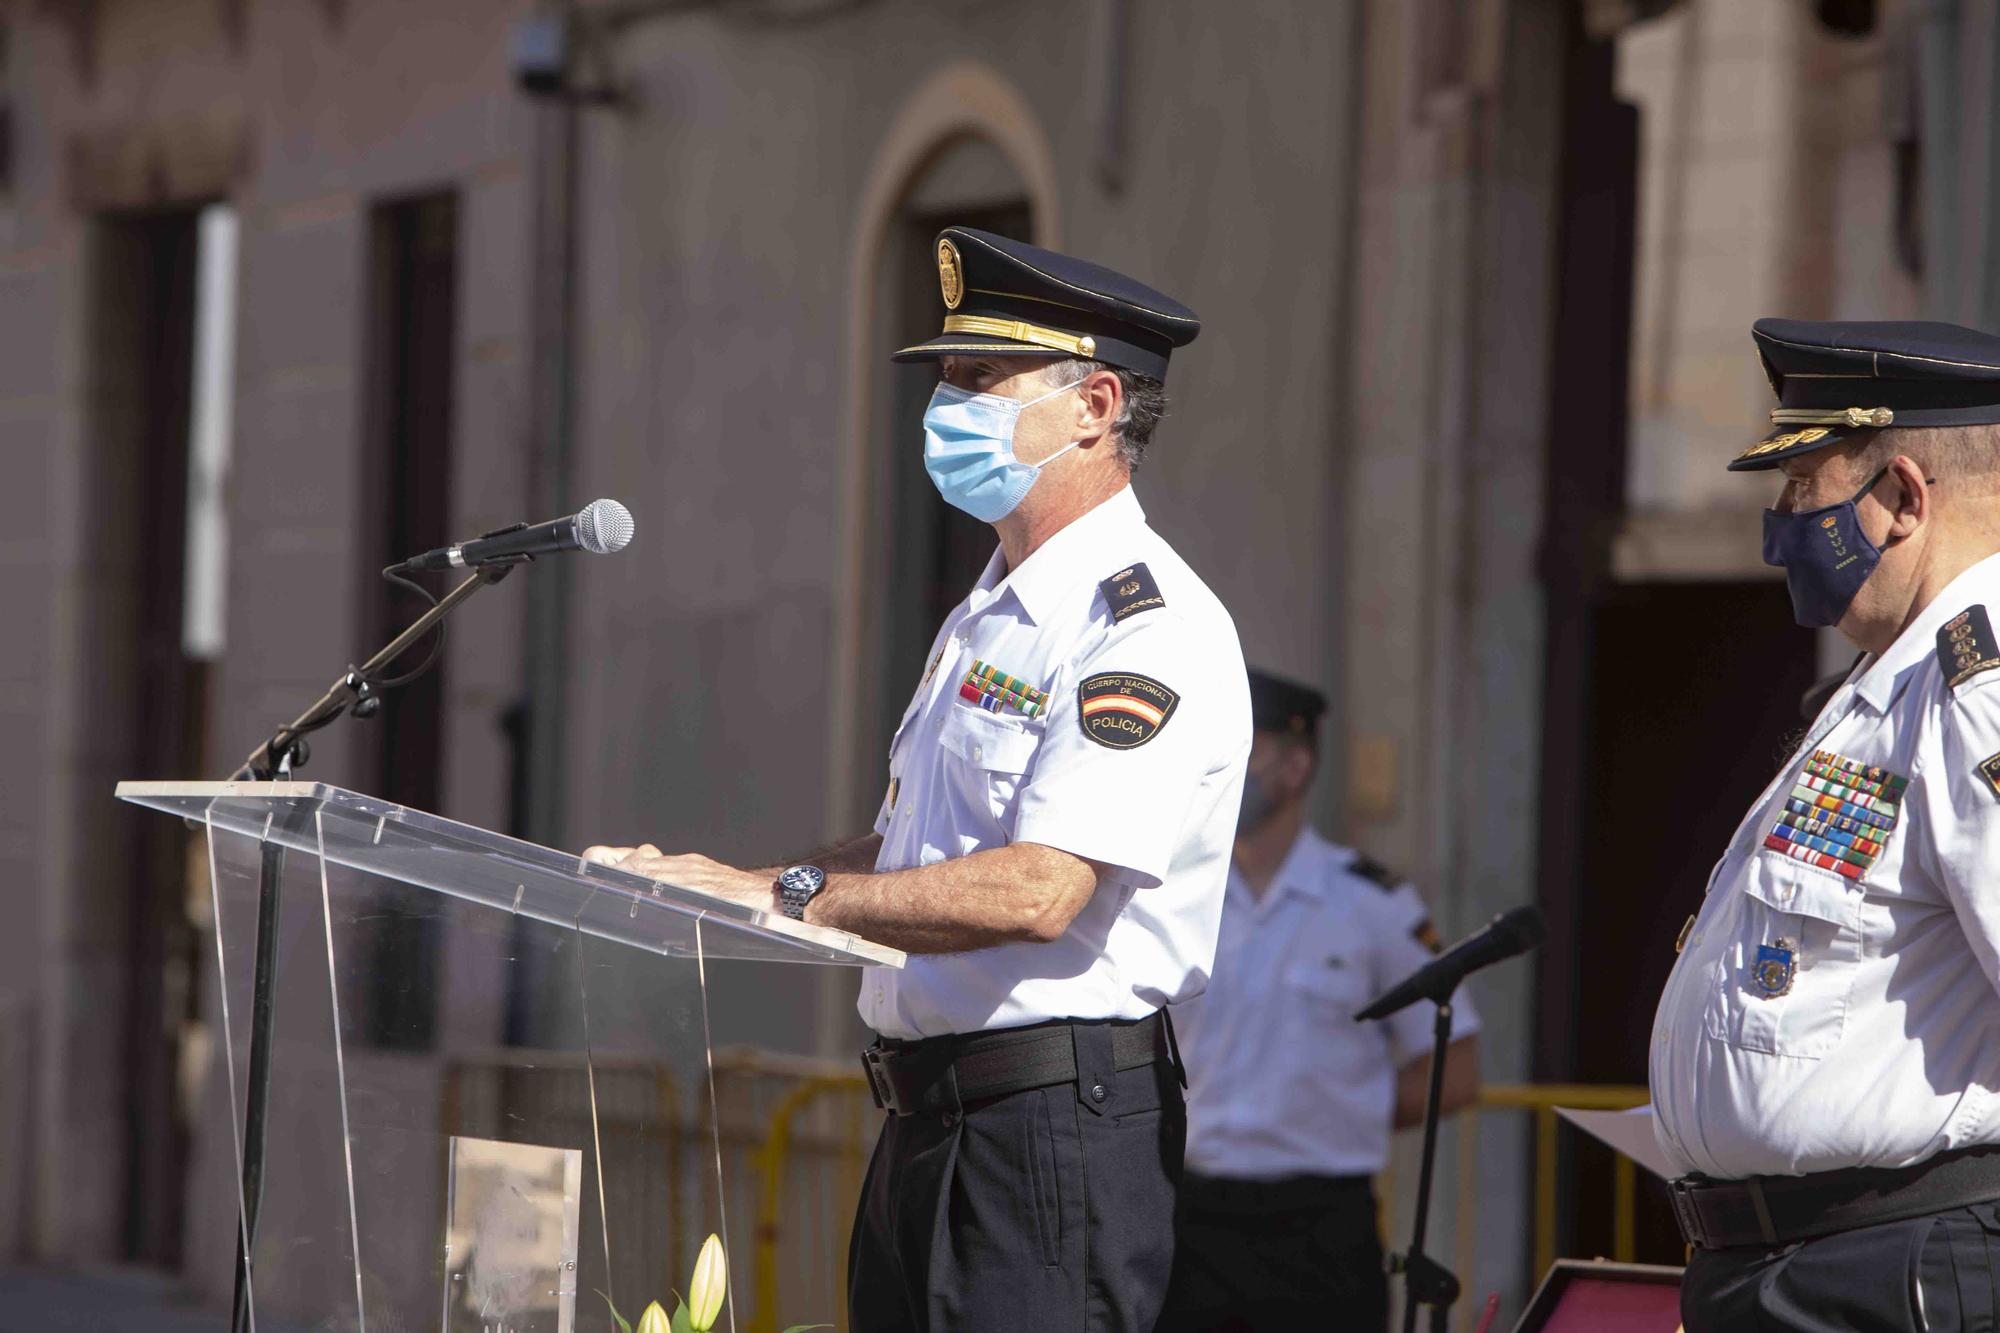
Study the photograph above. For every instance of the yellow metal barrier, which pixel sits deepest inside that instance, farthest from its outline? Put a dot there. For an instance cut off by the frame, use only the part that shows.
(1542, 1099)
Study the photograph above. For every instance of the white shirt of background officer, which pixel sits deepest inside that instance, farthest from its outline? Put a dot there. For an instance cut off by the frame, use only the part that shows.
(1021, 892)
(1280, 778)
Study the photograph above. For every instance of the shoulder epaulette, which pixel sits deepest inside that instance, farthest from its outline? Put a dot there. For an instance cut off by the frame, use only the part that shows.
(1131, 591)
(1375, 872)
(1966, 647)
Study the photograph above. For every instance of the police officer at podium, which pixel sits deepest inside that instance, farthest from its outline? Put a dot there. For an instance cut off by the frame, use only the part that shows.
(1053, 840)
(1826, 1053)
(1291, 1102)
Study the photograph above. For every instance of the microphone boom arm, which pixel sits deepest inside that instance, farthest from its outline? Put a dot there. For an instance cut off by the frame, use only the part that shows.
(281, 753)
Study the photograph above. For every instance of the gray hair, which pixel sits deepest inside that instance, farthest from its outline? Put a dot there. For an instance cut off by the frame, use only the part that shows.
(1145, 402)
(1966, 455)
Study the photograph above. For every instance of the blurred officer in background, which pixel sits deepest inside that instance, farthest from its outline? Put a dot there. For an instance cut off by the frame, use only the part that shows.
(1826, 1054)
(1052, 846)
(1291, 1102)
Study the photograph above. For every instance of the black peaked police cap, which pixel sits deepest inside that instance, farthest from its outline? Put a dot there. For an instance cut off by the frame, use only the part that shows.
(1015, 299)
(1837, 380)
(1277, 704)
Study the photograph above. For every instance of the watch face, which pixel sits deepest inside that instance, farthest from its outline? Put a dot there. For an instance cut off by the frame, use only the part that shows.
(802, 879)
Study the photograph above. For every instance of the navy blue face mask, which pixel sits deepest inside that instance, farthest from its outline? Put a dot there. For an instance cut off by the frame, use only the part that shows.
(1825, 554)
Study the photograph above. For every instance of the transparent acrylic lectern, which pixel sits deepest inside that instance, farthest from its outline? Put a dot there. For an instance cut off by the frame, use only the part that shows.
(490, 1087)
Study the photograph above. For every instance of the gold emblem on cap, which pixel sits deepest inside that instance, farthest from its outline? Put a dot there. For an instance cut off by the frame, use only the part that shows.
(1785, 441)
(951, 275)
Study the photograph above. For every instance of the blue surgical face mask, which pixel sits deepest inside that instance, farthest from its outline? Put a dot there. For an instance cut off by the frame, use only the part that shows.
(1825, 554)
(969, 450)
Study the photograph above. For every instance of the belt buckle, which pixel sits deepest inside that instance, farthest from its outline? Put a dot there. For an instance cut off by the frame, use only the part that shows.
(880, 1085)
(1686, 1215)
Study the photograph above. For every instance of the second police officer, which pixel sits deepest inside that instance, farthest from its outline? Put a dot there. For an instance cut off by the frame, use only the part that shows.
(1826, 1054)
(1291, 1102)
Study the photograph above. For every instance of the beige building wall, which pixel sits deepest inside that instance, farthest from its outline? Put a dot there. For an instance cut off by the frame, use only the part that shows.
(1767, 187)
(302, 117)
(724, 394)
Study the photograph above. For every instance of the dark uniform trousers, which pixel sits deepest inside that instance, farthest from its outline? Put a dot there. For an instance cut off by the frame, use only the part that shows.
(1036, 1210)
(1277, 1256)
(1937, 1273)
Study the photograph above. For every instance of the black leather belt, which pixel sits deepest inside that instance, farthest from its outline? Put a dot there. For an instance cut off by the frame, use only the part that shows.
(1777, 1210)
(912, 1076)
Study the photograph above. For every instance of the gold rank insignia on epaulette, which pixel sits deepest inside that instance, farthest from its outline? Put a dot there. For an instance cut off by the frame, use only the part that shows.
(1130, 591)
(1966, 647)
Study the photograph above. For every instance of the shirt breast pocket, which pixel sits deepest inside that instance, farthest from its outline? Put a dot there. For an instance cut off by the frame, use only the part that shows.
(994, 754)
(1325, 983)
(1786, 976)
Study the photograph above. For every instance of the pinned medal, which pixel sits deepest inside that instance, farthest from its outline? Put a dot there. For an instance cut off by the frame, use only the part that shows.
(1771, 975)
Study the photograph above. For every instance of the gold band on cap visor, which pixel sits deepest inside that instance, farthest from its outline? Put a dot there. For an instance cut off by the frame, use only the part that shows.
(1021, 331)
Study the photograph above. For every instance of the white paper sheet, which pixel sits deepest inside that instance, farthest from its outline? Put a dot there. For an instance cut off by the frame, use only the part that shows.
(1629, 1132)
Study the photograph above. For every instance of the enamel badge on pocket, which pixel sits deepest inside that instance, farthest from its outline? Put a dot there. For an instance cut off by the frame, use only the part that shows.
(1771, 975)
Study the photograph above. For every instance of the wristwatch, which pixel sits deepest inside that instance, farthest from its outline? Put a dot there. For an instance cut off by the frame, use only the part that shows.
(798, 886)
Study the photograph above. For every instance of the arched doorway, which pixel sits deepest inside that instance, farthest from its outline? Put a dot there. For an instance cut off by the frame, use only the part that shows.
(931, 552)
(964, 149)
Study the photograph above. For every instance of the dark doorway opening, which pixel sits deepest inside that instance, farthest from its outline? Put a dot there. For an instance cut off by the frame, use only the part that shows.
(938, 551)
(1666, 705)
(148, 714)
(410, 358)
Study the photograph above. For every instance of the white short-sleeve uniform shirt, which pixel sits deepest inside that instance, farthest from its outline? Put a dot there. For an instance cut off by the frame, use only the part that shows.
(1130, 751)
(1281, 1080)
(1834, 1002)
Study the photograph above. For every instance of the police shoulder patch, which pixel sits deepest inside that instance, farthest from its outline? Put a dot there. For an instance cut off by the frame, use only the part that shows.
(1989, 768)
(1374, 872)
(1966, 647)
(1130, 591)
(1124, 710)
(1426, 934)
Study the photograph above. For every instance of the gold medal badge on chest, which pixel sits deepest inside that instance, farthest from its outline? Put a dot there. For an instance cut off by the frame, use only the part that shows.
(1777, 964)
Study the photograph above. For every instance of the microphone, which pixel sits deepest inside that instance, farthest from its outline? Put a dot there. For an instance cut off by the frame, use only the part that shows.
(601, 527)
(1509, 933)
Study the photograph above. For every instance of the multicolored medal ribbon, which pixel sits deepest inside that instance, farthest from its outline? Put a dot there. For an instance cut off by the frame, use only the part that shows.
(993, 689)
(1839, 815)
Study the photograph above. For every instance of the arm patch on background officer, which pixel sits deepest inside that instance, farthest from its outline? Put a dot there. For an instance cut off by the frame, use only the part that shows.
(1989, 768)
(1965, 646)
(1130, 591)
(1124, 710)
(1374, 872)
(1426, 934)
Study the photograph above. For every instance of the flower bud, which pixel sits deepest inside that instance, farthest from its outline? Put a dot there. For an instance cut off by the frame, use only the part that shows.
(654, 1320)
(710, 1282)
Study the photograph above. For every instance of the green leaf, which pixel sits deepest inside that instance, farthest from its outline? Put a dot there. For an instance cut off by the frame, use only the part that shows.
(619, 1319)
(683, 1322)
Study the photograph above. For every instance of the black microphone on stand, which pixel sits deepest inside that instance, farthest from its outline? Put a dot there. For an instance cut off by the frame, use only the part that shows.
(1425, 1280)
(601, 527)
(1509, 933)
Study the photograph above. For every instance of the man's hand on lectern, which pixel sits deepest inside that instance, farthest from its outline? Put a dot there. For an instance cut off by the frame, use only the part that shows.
(691, 871)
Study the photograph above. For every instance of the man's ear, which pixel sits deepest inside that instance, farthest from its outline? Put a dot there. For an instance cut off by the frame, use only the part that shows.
(1911, 506)
(1102, 396)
